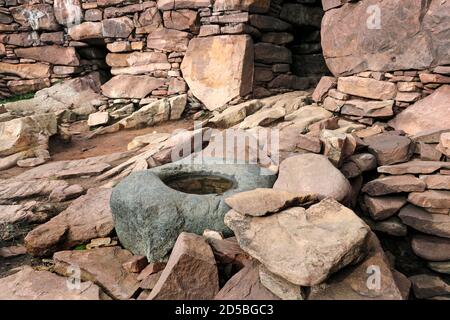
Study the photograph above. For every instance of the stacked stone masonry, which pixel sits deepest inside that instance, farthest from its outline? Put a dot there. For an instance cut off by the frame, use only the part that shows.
(243, 47)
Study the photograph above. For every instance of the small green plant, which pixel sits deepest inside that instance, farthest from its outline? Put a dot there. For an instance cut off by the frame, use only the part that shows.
(80, 247)
(19, 97)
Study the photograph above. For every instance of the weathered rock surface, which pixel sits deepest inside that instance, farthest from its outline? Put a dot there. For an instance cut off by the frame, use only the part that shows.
(28, 284)
(419, 219)
(245, 285)
(26, 133)
(431, 248)
(431, 112)
(381, 208)
(148, 222)
(279, 286)
(394, 184)
(390, 148)
(218, 69)
(270, 240)
(103, 266)
(130, 86)
(354, 282)
(190, 273)
(428, 286)
(362, 44)
(88, 217)
(414, 167)
(259, 202)
(436, 181)
(438, 199)
(367, 88)
(311, 173)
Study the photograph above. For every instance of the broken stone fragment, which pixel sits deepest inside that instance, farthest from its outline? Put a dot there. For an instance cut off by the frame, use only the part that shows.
(343, 242)
(190, 273)
(28, 284)
(103, 266)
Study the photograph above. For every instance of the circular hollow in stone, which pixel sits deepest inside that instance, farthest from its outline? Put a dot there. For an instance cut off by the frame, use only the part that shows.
(199, 183)
(151, 208)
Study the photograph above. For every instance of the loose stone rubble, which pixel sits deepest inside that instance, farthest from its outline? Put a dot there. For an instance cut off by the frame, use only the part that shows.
(348, 150)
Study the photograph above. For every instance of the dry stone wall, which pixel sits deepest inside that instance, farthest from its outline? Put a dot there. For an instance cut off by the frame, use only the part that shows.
(221, 50)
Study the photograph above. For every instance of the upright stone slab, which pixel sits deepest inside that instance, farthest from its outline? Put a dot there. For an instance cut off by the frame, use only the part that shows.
(218, 69)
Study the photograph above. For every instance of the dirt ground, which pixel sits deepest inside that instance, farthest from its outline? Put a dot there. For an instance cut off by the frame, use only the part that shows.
(82, 147)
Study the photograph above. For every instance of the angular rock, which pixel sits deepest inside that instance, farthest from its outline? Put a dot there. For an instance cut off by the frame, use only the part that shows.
(430, 112)
(360, 108)
(245, 285)
(364, 161)
(68, 12)
(390, 148)
(37, 16)
(26, 133)
(29, 284)
(392, 226)
(381, 208)
(363, 44)
(297, 254)
(428, 286)
(367, 88)
(86, 31)
(260, 202)
(103, 266)
(26, 70)
(356, 283)
(190, 273)
(311, 173)
(431, 248)
(168, 40)
(436, 181)
(394, 184)
(136, 264)
(269, 53)
(437, 199)
(87, 217)
(52, 54)
(117, 27)
(279, 286)
(98, 118)
(301, 15)
(182, 4)
(256, 6)
(215, 83)
(444, 144)
(130, 86)
(325, 84)
(414, 167)
(421, 220)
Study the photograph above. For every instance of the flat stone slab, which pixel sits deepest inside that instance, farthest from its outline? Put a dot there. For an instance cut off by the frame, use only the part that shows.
(435, 199)
(103, 266)
(436, 181)
(302, 246)
(394, 184)
(29, 284)
(414, 167)
(421, 220)
(88, 217)
(431, 248)
(381, 208)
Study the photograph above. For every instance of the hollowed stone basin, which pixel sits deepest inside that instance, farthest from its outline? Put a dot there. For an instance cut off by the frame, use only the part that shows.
(152, 207)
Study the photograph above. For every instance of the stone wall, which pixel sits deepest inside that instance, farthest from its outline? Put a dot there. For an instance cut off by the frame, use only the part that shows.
(232, 48)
